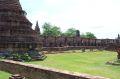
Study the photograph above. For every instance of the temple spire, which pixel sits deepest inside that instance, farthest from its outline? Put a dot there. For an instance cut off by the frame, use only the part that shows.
(118, 36)
(37, 29)
(77, 33)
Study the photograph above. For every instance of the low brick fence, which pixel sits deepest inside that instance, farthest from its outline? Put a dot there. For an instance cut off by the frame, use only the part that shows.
(70, 48)
(39, 72)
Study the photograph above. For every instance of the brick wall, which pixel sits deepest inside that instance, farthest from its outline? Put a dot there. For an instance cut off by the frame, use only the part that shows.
(39, 72)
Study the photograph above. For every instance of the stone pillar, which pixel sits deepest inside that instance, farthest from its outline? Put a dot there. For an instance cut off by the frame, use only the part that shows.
(118, 52)
(118, 56)
(16, 76)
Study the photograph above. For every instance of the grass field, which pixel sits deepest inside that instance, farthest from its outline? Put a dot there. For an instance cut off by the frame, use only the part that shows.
(4, 75)
(93, 63)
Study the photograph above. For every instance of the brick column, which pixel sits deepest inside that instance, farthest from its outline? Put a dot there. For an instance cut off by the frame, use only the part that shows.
(118, 52)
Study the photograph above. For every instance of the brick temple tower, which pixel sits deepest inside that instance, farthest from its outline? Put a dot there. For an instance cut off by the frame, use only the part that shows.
(37, 29)
(16, 31)
(77, 33)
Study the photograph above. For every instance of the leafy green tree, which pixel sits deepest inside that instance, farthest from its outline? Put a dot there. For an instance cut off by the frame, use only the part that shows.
(46, 29)
(70, 32)
(88, 35)
(83, 35)
(56, 31)
(50, 30)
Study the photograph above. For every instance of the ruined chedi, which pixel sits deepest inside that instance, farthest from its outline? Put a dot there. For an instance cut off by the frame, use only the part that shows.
(16, 31)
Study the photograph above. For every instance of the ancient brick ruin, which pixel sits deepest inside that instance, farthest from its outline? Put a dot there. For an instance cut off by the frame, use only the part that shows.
(39, 72)
(16, 31)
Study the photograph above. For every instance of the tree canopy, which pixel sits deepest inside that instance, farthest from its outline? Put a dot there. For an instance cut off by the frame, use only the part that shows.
(52, 30)
(70, 32)
(88, 35)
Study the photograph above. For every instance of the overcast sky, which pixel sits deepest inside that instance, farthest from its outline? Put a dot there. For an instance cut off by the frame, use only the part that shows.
(101, 17)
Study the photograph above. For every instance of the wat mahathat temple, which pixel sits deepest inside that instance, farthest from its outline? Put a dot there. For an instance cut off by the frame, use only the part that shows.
(16, 33)
(21, 46)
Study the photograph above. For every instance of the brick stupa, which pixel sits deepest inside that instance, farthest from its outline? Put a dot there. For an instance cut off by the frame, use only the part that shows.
(16, 31)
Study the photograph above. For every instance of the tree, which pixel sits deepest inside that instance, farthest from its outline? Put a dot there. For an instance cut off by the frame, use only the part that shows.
(50, 30)
(46, 29)
(70, 32)
(88, 35)
(83, 35)
(56, 31)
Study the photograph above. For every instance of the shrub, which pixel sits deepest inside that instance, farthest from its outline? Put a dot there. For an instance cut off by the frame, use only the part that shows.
(25, 57)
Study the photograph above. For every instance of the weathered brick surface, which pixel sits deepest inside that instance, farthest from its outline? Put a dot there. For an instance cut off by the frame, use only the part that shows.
(39, 72)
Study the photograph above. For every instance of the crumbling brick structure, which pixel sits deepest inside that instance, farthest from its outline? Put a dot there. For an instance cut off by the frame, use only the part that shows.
(16, 32)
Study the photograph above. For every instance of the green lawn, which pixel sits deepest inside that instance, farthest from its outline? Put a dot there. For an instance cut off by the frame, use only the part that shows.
(4, 75)
(88, 62)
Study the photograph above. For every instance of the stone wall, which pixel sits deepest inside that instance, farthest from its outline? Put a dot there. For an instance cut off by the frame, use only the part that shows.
(39, 72)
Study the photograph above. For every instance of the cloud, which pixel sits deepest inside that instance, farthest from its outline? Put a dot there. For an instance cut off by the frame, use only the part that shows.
(53, 2)
(40, 16)
(101, 17)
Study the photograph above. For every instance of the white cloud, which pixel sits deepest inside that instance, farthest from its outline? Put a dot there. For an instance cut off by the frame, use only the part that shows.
(40, 16)
(101, 17)
(53, 2)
